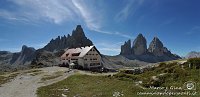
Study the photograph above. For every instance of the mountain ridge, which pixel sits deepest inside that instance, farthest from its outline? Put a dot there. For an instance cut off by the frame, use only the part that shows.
(156, 51)
(49, 55)
(77, 39)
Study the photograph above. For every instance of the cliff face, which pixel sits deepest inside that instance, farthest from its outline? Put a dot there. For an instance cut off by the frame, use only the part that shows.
(126, 48)
(77, 39)
(139, 45)
(24, 57)
(156, 47)
(155, 53)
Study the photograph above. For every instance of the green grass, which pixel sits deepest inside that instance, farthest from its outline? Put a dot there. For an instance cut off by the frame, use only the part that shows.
(32, 71)
(4, 79)
(36, 73)
(88, 86)
(53, 76)
(172, 74)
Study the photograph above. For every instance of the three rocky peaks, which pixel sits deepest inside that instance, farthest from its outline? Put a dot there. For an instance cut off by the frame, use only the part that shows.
(156, 51)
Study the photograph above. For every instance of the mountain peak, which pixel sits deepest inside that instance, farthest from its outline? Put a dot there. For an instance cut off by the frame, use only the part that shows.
(156, 47)
(155, 44)
(139, 45)
(78, 32)
(78, 27)
(155, 53)
(140, 35)
(126, 48)
(24, 47)
(77, 39)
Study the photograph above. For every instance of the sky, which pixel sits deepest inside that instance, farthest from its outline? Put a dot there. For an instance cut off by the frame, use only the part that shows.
(108, 23)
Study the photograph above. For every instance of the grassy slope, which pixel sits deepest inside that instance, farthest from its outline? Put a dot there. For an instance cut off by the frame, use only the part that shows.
(88, 86)
(172, 74)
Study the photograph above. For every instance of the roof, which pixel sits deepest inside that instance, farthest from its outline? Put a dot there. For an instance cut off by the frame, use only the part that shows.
(82, 51)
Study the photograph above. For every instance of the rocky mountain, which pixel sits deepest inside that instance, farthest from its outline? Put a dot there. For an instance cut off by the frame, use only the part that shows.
(156, 47)
(155, 53)
(77, 39)
(193, 54)
(119, 61)
(48, 55)
(139, 45)
(24, 57)
(131, 55)
(5, 57)
(126, 48)
(11, 61)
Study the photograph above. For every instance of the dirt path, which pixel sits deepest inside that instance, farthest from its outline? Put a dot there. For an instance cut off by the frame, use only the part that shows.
(26, 83)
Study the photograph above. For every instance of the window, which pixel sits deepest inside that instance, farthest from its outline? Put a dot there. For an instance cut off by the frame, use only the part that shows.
(75, 54)
(67, 54)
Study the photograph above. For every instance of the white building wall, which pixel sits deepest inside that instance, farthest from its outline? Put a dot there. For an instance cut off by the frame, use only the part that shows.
(91, 58)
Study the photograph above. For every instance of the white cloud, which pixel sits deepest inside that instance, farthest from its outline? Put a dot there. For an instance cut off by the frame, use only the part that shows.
(167, 22)
(130, 8)
(91, 18)
(195, 29)
(58, 12)
(113, 33)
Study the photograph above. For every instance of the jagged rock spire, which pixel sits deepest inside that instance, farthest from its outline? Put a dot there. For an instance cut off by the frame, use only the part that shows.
(77, 39)
(139, 45)
(126, 48)
(156, 47)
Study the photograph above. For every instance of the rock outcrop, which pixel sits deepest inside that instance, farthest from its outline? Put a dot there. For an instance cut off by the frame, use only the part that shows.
(5, 57)
(139, 45)
(77, 39)
(24, 57)
(126, 48)
(156, 47)
(155, 53)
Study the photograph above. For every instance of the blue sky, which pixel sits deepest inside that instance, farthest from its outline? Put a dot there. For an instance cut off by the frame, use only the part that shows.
(108, 23)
